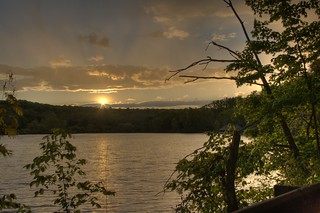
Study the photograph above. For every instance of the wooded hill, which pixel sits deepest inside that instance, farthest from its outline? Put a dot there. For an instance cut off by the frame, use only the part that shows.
(41, 118)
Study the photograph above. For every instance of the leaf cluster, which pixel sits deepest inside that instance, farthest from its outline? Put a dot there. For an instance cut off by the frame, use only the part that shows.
(8, 202)
(200, 177)
(10, 111)
(59, 171)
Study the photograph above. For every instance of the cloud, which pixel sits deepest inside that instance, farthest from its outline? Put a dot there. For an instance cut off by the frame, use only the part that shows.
(96, 58)
(162, 19)
(240, 93)
(106, 74)
(99, 79)
(171, 12)
(159, 98)
(60, 62)
(190, 19)
(157, 34)
(194, 18)
(171, 33)
(183, 97)
(222, 37)
(174, 10)
(131, 100)
(94, 39)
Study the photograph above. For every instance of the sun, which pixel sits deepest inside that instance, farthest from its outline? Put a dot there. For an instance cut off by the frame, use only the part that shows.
(102, 101)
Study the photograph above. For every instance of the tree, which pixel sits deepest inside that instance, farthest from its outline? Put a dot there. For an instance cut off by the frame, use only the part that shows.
(274, 116)
(59, 154)
(9, 113)
(214, 178)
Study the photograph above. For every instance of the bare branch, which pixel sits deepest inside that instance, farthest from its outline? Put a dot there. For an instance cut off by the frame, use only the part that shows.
(194, 78)
(232, 53)
(205, 62)
(262, 77)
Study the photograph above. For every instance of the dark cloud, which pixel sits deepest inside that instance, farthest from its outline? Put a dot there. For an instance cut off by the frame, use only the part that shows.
(94, 39)
(164, 11)
(157, 34)
(175, 10)
(192, 19)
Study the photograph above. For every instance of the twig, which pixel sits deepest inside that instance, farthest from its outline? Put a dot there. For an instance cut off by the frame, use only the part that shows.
(205, 61)
(170, 177)
(194, 78)
(232, 53)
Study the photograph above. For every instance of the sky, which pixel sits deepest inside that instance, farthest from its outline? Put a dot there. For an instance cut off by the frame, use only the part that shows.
(80, 52)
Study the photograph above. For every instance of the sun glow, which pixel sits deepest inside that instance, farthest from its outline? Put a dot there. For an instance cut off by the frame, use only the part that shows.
(103, 101)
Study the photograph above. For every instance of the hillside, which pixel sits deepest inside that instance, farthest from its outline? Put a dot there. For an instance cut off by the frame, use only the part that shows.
(40, 118)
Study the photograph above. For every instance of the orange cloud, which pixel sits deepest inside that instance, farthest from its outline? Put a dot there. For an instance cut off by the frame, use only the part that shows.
(102, 78)
(96, 58)
(171, 33)
(60, 62)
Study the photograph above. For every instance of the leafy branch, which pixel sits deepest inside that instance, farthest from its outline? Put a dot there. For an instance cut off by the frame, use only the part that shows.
(60, 154)
(9, 113)
(8, 202)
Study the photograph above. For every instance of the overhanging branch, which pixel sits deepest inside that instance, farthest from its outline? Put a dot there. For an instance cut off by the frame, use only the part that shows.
(194, 78)
(205, 62)
(232, 53)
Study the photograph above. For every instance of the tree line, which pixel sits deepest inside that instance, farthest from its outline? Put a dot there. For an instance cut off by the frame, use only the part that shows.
(41, 118)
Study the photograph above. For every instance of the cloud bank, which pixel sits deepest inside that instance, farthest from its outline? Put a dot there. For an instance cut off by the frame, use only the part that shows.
(100, 78)
(93, 78)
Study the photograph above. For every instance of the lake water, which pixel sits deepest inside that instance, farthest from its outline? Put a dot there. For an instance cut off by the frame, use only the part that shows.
(135, 166)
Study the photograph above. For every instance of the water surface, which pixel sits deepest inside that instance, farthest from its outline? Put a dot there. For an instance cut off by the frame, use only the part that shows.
(135, 166)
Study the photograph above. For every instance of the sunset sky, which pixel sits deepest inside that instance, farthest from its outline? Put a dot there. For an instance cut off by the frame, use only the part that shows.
(81, 51)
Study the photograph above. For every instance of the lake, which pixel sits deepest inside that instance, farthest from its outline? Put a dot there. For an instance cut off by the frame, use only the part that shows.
(135, 166)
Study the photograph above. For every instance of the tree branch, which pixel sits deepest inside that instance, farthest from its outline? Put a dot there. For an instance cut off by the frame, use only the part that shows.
(283, 122)
(232, 53)
(205, 62)
(194, 78)
(313, 100)
(265, 83)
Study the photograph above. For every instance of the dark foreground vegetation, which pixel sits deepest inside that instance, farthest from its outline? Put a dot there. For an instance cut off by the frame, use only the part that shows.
(41, 118)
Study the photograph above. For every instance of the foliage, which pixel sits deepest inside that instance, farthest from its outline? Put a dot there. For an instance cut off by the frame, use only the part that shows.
(282, 120)
(4, 151)
(10, 110)
(8, 202)
(294, 80)
(201, 176)
(9, 114)
(267, 132)
(58, 170)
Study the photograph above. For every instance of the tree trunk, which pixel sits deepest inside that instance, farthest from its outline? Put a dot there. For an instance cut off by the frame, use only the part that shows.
(231, 198)
(286, 130)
